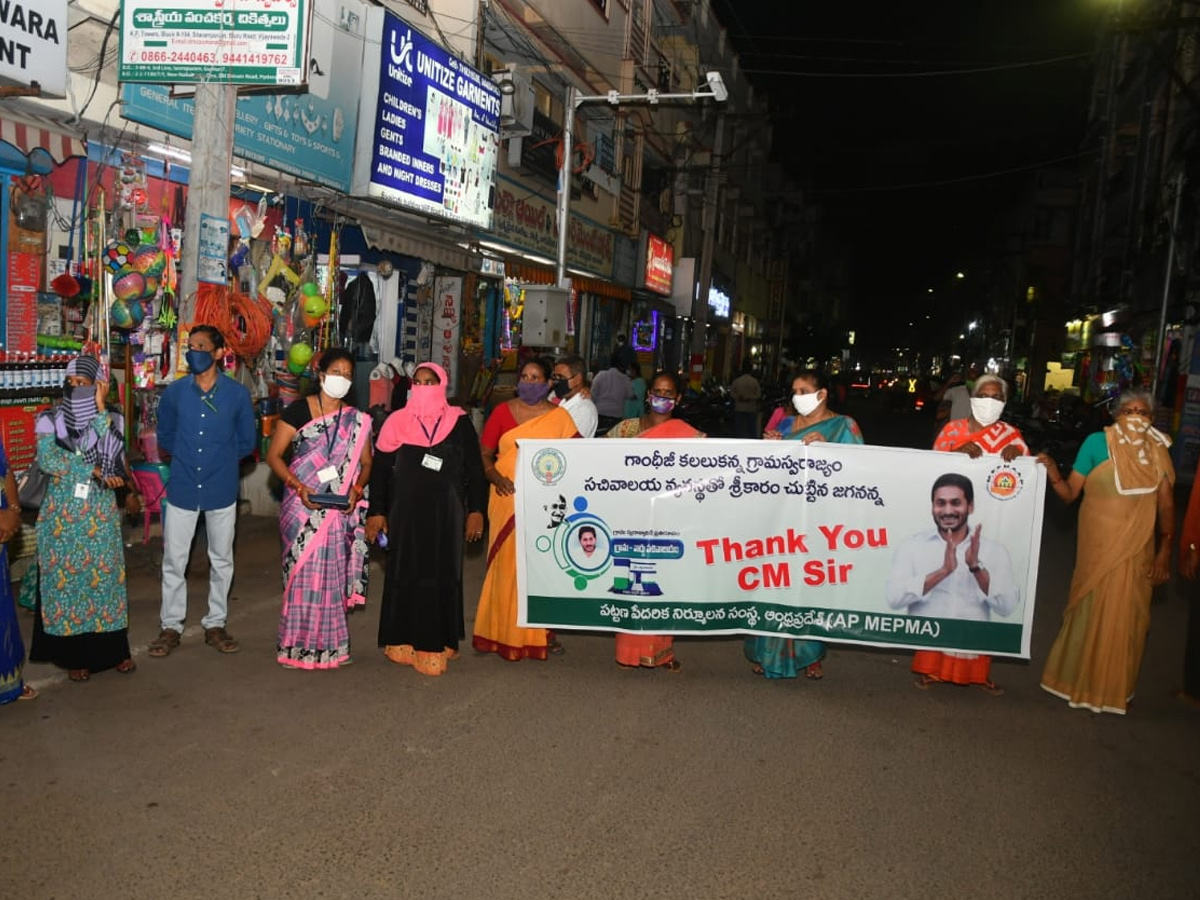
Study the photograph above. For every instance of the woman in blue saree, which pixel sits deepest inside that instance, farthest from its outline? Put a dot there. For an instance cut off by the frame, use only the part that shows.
(12, 650)
(780, 657)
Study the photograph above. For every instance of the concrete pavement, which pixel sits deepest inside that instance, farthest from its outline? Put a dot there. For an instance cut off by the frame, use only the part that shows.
(208, 776)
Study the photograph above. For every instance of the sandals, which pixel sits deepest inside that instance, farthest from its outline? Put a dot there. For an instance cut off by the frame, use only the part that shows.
(925, 682)
(162, 645)
(221, 639)
(814, 672)
(27, 693)
(126, 667)
(79, 675)
(554, 648)
(990, 688)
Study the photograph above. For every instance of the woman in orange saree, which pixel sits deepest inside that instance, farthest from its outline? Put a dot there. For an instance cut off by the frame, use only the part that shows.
(653, 650)
(529, 415)
(981, 432)
(1129, 481)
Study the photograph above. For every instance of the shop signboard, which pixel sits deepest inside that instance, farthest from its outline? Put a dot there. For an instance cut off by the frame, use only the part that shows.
(308, 135)
(33, 44)
(660, 258)
(435, 126)
(191, 41)
(525, 222)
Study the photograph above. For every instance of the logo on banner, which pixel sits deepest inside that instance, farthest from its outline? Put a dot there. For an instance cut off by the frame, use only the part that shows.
(403, 56)
(549, 466)
(581, 543)
(1004, 482)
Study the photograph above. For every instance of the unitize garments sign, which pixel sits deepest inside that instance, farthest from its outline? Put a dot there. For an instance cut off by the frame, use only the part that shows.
(436, 123)
(33, 44)
(232, 42)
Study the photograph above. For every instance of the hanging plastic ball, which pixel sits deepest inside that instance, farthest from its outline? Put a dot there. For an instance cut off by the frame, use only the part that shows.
(149, 260)
(309, 289)
(129, 286)
(133, 237)
(299, 357)
(116, 255)
(314, 310)
(121, 315)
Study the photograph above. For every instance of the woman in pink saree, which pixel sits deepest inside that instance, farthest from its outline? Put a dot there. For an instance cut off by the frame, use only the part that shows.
(324, 546)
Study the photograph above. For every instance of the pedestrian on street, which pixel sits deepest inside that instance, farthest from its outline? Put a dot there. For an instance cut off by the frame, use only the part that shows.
(81, 611)
(981, 432)
(428, 494)
(12, 649)
(780, 657)
(529, 415)
(570, 392)
(206, 424)
(1189, 564)
(324, 545)
(1129, 479)
(653, 650)
(610, 391)
(746, 393)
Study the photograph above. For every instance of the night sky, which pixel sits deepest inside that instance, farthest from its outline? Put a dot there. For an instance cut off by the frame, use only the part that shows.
(843, 139)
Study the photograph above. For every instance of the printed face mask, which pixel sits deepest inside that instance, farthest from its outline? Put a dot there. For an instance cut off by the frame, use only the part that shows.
(986, 410)
(199, 361)
(662, 405)
(806, 404)
(533, 392)
(336, 386)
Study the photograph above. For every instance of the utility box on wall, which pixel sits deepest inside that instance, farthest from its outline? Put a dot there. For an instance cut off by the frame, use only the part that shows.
(544, 321)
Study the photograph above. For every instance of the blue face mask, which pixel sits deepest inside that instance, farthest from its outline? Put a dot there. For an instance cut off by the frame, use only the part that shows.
(199, 361)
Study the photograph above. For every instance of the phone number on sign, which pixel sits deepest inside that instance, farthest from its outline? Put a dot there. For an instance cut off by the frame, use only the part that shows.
(211, 58)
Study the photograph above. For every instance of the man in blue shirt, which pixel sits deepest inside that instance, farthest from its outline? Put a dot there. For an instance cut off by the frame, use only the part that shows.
(206, 424)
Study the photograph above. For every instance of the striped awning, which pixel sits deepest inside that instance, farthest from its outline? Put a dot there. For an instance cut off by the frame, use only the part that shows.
(40, 145)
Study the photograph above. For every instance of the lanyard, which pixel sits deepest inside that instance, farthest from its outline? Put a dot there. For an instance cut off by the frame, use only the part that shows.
(429, 436)
(330, 433)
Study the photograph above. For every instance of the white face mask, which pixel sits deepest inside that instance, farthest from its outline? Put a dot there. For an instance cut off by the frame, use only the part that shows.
(986, 410)
(336, 386)
(806, 404)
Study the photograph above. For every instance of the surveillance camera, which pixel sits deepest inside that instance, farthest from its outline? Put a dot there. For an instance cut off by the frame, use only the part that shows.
(717, 85)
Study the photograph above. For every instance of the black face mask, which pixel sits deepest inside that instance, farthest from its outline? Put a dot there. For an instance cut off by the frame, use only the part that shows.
(561, 388)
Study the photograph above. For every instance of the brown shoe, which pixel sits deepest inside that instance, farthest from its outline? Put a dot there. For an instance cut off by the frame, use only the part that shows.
(221, 639)
(162, 645)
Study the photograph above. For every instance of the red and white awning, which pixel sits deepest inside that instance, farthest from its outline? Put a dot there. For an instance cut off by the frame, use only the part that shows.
(27, 137)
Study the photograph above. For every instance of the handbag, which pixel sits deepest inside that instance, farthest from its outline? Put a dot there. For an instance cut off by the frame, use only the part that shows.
(31, 487)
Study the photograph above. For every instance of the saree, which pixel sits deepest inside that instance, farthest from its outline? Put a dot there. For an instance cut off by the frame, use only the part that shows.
(780, 657)
(992, 439)
(12, 649)
(324, 550)
(496, 629)
(966, 668)
(1095, 659)
(641, 649)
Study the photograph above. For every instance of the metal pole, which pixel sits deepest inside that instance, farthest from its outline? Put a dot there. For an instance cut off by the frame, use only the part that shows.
(712, 188)
(564, 187)
(1166, 296)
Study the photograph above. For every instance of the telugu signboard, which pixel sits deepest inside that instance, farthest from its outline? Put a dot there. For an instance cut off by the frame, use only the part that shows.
(780, 538)
(308, 135)
(435, 127)
(526, 222)
(237, 42)
(33, 44)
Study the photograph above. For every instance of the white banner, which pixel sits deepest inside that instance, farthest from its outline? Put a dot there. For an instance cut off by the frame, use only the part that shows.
(33, 44)
(829, 541)
(447, 324)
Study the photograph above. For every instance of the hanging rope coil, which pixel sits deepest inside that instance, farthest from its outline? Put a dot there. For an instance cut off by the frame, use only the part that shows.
(244, 321)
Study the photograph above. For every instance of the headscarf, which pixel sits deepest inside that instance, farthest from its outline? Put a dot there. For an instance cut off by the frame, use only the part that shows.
(1137, 455)
(427, 418)
(71, 423)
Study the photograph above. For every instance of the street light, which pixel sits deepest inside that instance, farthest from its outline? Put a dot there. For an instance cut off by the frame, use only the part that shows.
(715, 89)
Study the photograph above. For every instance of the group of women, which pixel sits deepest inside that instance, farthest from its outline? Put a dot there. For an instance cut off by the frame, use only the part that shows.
(420, 489)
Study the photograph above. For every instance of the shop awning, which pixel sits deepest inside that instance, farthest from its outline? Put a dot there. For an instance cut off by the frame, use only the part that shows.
(535, 274)
(34, 147)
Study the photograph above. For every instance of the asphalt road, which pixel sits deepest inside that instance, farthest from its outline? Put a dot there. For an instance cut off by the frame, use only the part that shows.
(208, 776)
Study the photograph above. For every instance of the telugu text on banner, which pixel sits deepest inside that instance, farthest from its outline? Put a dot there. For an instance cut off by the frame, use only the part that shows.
(826, 541)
